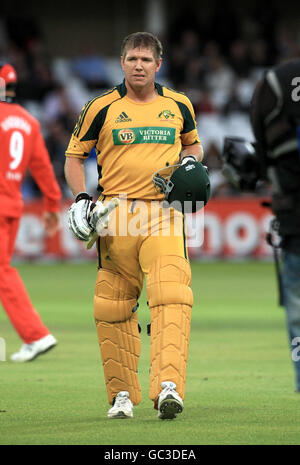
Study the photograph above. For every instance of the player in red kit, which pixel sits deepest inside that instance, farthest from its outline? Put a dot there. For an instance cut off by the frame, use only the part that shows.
(21, 148)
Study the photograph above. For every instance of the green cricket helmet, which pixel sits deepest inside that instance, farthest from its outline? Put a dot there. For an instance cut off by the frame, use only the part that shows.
(186, 187)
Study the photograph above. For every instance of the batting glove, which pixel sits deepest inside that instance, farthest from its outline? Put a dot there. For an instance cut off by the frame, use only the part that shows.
(99, 217)
(191, 158)
(79, 216)
(188, 158)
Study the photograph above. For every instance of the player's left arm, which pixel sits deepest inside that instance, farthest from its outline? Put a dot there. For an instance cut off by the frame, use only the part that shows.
(191, 144)
(195, 150)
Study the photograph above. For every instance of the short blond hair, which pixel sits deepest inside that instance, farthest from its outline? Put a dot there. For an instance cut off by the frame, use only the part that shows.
(142, 39)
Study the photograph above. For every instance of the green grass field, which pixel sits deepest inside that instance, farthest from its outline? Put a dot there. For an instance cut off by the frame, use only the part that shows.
(240, 381)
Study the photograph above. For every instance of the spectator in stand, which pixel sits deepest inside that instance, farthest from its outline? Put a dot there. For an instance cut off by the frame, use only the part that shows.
(91, 68)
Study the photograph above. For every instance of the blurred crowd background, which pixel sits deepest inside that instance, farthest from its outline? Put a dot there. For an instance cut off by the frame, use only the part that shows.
(214, 51)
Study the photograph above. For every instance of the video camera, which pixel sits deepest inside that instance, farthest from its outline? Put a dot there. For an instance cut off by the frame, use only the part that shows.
(241, 165)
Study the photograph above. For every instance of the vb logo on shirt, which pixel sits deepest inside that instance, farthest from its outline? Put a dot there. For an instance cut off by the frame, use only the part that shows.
(144, 135)
(126, 136)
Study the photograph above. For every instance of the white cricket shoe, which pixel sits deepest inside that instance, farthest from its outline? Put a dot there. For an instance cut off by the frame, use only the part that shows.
(31, 351)
(122, 408)
(169, 401)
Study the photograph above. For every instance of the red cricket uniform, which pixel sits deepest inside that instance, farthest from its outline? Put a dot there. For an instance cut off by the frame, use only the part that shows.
(21, 147)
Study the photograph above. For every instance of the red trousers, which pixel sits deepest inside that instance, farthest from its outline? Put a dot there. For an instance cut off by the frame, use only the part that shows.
(13, 295)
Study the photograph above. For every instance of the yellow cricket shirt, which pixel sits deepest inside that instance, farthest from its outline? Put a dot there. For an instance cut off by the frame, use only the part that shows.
(133, 140)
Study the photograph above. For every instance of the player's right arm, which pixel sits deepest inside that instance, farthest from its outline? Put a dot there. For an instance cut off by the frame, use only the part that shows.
(83, 213)
(83, 139)
(75, 175)
(42, 171)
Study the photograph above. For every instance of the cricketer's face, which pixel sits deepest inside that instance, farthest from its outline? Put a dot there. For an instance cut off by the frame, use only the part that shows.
(139, 66)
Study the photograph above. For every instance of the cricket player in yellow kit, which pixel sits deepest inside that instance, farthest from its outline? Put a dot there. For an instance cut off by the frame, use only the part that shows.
(137, 128)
